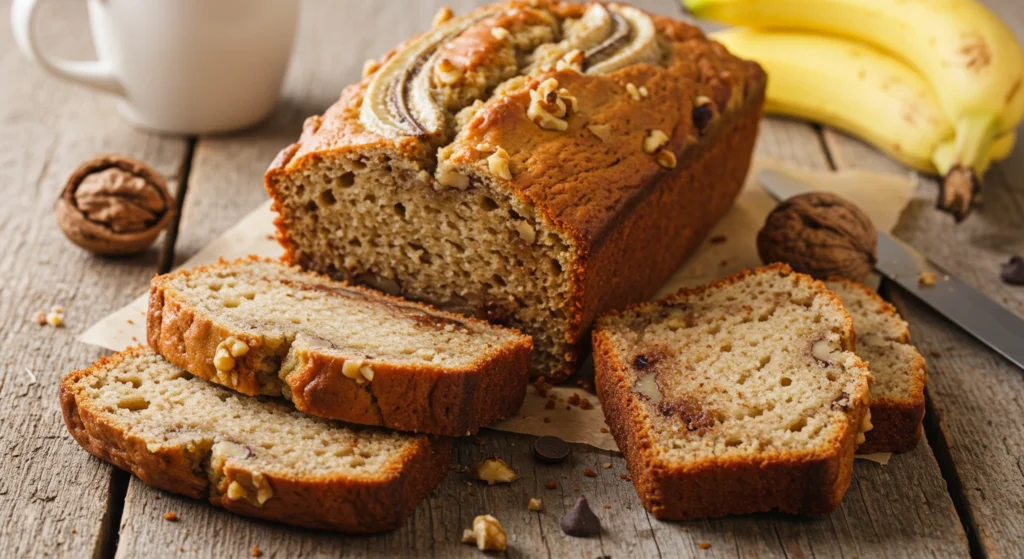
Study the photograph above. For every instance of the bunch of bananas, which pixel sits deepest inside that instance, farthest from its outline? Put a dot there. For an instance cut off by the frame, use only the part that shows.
(937, 84)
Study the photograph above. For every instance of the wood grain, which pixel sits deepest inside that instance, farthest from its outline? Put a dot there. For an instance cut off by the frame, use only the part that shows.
(899, 510)
(55, 499)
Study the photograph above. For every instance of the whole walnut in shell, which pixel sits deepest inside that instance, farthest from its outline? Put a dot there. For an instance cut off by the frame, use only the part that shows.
(820, 234)
(112, 204)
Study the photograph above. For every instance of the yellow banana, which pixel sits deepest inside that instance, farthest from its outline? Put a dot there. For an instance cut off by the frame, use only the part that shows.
(970, 58)
(856, 88)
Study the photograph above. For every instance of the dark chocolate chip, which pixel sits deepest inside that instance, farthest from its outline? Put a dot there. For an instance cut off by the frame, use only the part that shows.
(641, 362)
(1013, 271)
(550, 449)
(580, 521)
(702, 115)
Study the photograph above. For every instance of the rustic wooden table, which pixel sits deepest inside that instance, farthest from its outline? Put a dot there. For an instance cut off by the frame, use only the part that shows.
(960, 493)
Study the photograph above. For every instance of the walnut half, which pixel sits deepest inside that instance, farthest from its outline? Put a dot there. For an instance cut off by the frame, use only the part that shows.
(112, 204)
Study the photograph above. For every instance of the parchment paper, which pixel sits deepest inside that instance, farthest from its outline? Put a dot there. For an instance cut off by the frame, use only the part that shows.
(728, 249)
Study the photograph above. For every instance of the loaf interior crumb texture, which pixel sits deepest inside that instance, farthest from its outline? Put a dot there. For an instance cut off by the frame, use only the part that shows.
(899, 370)
(883, 341)
(481, 165)
(295, 310)
(749, 369)
(238, 447)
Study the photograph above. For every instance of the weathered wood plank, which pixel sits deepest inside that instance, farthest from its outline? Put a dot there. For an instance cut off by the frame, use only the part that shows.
(899, 510)
(54, 497)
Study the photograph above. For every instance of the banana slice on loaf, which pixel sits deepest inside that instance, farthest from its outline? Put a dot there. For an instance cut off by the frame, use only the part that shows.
(337, 351)
(262, 459)
(883, 340)
(738, 397)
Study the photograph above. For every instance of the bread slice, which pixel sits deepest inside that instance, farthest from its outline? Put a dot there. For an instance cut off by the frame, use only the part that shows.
(251, 457)
(349, 353)
(741, 396)
(883, 340)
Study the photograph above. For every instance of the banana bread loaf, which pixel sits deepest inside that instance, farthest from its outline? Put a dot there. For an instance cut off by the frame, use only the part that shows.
(883, 340)
(262, 459)
(337, 351)
(741, 396)
(530, 163)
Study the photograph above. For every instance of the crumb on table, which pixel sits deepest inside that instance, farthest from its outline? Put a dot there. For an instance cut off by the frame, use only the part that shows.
(171, 516)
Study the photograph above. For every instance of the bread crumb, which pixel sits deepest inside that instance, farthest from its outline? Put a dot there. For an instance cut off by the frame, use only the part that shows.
(607, 506)
(255, 551)
(585, 404)
(624, 477)
(604, 429)
(589, 473)
(156, 497)
(607, 465)
(705, 545)
(574, 399)
(55, 319)
(74, 530)
(584, 384)
(171, 516)
(926, 279)
(542, 386)
(535, 505)
(576, 489)
(934, 353)
(39, 318)
(551, 484)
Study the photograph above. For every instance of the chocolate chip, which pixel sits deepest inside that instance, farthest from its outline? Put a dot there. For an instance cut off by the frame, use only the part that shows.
(580, 521)
(550, 449)
(641, 362)
(702, 115)
(1013, 271)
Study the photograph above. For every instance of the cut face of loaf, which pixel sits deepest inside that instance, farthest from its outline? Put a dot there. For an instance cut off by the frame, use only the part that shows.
(737, 397)
(531, 164)
(262, 459)
(336, 351)
(900, 372)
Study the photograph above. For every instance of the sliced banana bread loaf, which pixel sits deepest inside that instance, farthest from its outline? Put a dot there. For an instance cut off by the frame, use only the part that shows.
(883, 340)
(337, 351)
(737, 397)
(263, 459)
(534, 163)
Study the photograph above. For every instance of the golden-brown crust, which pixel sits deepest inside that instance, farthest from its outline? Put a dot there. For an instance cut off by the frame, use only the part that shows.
(407, 397)
(896, 421)
(630, 222)
(344, 503)
(811, 482)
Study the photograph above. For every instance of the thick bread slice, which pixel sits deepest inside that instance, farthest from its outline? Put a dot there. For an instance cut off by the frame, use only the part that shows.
(737, 397)
(263, 459)
(336, 351)
(883, 340)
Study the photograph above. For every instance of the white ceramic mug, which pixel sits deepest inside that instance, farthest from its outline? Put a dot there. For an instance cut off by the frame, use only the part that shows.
(179, 66)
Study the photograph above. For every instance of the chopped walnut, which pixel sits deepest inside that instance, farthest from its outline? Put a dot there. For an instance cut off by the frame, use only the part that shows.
(487, 534)
(495, 470)
(602, 131)
(572, 60)
(497, 163)
(446, 72)
(655, 140)
(634, 93)
(442, 15)
(666, 159)
(548, 107)
(500, 33)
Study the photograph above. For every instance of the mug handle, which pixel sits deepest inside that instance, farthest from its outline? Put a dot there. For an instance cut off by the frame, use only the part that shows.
(97, 74)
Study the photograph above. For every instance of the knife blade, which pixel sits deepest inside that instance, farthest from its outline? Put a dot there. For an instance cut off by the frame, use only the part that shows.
(983, 318)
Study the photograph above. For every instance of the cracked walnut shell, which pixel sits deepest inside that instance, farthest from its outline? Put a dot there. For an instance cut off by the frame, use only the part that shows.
(112, 204)
(820, 234)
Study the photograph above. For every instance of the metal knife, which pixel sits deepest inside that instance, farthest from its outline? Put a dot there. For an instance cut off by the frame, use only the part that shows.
(983, 318)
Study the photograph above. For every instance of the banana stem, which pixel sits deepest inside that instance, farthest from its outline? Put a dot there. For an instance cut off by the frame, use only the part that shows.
(961, 183)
